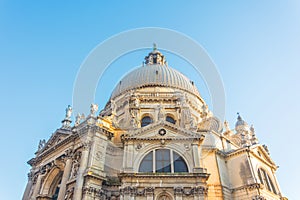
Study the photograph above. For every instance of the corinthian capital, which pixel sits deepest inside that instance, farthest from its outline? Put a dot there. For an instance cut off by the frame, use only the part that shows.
(87, 145)
(68, 153)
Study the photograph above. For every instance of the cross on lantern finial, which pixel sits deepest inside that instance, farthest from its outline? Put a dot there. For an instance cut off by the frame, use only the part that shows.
(154, 47)
(155, 57)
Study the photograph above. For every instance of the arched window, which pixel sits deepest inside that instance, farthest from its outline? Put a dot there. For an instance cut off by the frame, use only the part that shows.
(55, 195)
(179, 163)
(170, 119)
(146, 121)
(163, 160)
(265, 179)
(146, 165)
(166, 161)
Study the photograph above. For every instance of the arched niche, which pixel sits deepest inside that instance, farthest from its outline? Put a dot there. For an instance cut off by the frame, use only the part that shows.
(51, 182)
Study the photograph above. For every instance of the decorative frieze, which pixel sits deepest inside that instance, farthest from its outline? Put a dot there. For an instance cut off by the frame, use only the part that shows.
(190, 191)
(134, 191)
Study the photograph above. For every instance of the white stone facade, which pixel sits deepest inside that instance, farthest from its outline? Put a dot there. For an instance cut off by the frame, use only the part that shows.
(155, 140)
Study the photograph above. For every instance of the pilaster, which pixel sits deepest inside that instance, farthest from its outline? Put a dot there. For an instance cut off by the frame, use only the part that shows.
(66, 175)
(28, 186)
(81, 171)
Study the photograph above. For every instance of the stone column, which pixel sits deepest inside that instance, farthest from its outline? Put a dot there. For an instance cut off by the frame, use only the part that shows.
(66, 175)
(81, 171)
(28, 186)
(37, 186)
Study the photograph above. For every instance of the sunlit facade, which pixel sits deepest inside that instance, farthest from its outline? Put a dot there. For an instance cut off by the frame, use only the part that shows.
(156, 139)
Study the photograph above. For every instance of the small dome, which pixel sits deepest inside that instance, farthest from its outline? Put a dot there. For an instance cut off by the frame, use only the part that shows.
(154, 73)
(240, 121)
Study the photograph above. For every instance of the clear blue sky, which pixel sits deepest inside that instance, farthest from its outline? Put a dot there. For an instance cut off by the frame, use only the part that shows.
(255, 45)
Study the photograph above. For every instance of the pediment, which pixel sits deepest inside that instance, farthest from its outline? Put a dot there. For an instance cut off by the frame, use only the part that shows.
(55, 138)
(264, 154)
(151, 132)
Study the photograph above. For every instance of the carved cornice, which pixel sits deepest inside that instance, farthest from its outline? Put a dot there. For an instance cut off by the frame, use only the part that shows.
(158, 139)
(167, 125)
(154, 96)
(94, 128)
(188, 135)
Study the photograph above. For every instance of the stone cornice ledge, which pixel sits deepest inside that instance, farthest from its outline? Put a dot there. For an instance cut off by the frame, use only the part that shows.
(164, 175)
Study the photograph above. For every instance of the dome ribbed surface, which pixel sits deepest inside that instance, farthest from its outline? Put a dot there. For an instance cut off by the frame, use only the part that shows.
(154, 75)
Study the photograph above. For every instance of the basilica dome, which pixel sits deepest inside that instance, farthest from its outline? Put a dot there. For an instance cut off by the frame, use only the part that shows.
(155, 73)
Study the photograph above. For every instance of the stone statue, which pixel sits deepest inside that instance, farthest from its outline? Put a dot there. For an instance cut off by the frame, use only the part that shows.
(193, 124)
(134, 121)
(254, 139)
(226, 124)
(41, 144)
(161, 113)
(185, 117)
(136, 102)
(69, 111)
(75, 164)
(266, 148)
(94, 109)
(79, 117)
(252, 129)
(182, 100)
(113, 107)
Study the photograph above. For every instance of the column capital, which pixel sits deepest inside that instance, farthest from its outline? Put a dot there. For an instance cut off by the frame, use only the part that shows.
(199, 190)
(68, 154)
(86, 145)
(30, 176)
(149, 190)
(46, 168)
(178, 190)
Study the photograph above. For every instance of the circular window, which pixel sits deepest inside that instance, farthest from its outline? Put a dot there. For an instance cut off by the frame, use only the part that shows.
(162, 132)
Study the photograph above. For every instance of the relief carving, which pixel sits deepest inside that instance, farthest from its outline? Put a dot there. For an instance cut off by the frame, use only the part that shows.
(75, 164)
